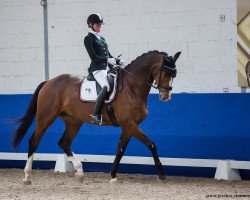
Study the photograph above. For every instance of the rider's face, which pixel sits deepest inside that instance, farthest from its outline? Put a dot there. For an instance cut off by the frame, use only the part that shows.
(97, 27)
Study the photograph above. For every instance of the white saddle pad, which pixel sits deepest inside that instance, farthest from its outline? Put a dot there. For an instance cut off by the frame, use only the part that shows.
(88, 91)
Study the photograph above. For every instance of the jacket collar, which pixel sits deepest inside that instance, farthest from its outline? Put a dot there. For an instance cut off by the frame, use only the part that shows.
(95, 33)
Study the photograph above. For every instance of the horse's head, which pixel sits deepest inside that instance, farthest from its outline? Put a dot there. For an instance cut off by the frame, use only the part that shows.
(164, 76)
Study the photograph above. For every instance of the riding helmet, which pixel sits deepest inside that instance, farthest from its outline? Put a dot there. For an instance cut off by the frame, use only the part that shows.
(95, 18)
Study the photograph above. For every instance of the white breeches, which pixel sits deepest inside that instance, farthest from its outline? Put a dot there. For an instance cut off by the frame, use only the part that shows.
(101, 78)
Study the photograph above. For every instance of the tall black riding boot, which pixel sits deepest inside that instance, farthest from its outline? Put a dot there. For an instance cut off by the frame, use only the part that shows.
(96, 116)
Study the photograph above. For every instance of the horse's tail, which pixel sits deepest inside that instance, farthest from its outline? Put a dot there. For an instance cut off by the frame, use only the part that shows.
(27, 119)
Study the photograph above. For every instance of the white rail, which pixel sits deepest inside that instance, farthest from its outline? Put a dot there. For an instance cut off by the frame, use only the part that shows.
(226, 169)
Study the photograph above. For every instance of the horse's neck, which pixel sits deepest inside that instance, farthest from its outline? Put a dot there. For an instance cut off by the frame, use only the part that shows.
(139, 80)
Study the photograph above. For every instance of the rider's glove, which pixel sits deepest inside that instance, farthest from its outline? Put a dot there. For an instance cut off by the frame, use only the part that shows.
(112, 61)
(120, 62)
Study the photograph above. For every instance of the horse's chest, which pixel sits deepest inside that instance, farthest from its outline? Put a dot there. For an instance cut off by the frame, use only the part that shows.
(141, 112)
(136, 112)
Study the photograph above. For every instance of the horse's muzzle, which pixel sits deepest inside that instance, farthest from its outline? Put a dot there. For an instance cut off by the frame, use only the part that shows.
(165, 96)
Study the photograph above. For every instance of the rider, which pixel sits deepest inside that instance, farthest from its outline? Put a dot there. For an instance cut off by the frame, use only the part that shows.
(100, 57)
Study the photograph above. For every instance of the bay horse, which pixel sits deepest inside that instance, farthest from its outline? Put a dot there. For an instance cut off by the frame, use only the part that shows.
(59, 97)
(248, 73)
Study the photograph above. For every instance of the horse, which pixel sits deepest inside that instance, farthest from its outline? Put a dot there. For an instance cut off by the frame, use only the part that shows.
(248, 73)
(59, 97)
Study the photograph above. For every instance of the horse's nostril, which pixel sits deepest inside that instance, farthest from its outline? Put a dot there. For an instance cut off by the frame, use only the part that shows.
(164, 99)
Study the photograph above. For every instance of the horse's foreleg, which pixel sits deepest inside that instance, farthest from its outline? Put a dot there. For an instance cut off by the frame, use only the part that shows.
(77, 166)
(123, 142)
(151, 146)
(72, 126)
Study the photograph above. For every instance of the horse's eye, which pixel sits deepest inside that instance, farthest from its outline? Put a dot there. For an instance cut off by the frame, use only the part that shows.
(166, 74)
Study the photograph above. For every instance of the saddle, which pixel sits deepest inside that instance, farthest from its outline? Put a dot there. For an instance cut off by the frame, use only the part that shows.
(90, 89)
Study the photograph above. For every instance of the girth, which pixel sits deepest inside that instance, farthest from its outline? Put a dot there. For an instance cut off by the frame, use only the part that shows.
(111, 114)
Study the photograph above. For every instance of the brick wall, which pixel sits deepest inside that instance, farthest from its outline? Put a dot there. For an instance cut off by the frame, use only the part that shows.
(21, 46)
(207, 62)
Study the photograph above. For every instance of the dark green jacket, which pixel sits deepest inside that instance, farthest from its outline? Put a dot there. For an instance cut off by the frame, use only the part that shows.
(98, 52)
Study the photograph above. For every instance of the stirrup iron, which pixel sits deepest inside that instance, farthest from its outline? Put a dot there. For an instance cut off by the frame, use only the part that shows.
(95, 119)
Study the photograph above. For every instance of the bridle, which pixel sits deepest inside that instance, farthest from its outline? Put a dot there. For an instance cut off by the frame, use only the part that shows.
(168, 65)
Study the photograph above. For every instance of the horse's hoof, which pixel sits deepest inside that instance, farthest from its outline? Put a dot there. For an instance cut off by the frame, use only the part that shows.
(161, 179)
(113, 180)
(79, 176)
(26, 182)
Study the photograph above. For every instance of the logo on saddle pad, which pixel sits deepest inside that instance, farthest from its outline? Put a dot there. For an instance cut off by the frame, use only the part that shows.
(89, 89)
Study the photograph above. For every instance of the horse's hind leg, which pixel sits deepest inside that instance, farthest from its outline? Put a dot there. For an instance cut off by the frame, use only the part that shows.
(72, 126)
(41, 127)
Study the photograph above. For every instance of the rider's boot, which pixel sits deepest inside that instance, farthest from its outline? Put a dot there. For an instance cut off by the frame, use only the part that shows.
(96, 117)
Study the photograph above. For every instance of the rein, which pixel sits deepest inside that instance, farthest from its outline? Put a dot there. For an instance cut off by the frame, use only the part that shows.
(151, 85)
(164, 67)
(154, 85)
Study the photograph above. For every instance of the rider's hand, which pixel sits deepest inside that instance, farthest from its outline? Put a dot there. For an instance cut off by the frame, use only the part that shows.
(120, 62)
(112, 61)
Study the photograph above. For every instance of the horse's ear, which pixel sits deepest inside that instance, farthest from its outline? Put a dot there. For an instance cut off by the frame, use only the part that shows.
(166, 60)
(176, 56)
